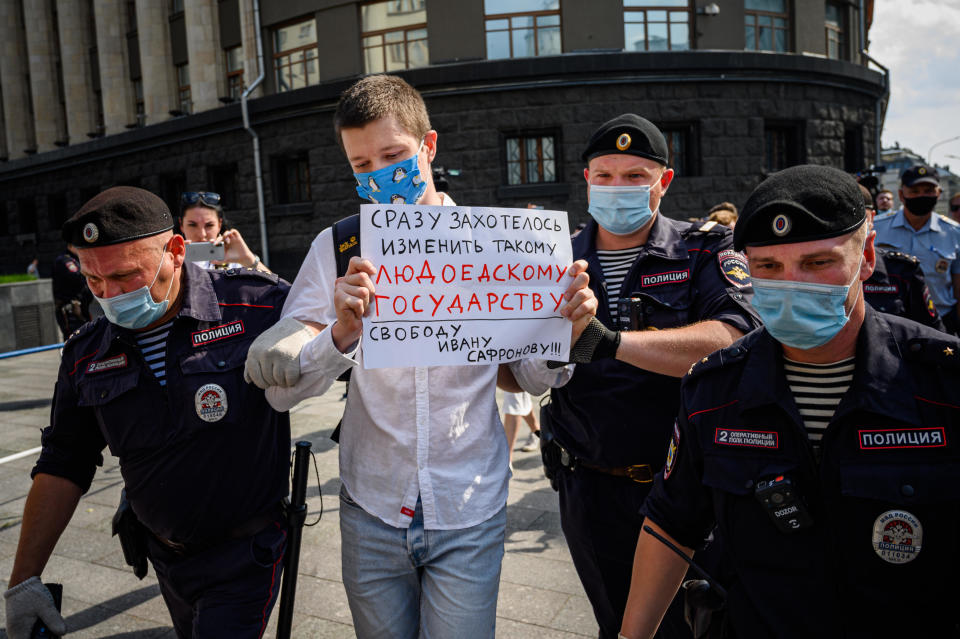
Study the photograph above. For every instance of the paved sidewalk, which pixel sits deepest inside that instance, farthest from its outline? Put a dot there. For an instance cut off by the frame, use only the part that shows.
(540, 595)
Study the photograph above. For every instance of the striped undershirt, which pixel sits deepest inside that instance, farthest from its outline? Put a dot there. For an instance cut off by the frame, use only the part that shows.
(153, 345)
(616, 264)
(817, 390)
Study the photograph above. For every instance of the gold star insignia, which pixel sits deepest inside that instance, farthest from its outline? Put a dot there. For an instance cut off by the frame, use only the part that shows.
(948, 351)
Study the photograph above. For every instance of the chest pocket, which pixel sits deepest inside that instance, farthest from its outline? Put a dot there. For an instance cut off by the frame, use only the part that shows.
(212, 385)
(131, 420)
(886, 303)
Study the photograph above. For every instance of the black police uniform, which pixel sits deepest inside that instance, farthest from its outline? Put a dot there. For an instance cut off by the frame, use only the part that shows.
(204, 459)
(71, 297)
(612, 415)
(897, 287)
(886, 485)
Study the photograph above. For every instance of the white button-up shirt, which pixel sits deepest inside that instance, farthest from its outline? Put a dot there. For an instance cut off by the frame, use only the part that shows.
(432, 432)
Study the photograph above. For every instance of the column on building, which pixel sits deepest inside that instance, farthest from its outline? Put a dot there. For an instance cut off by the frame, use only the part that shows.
(207, 75)
(248, 30)
(115, 86)
(18, 119)
(156, 60)
(73, 21)
(48, 121)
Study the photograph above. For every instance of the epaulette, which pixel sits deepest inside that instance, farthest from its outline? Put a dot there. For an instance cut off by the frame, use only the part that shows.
(717, 359)
(900, 256)
(273, 278)
(931, 350)
(83, 330)
(947, 220)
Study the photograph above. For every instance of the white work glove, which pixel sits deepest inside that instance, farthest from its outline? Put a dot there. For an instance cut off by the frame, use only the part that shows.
(274, 357)
(28, 601)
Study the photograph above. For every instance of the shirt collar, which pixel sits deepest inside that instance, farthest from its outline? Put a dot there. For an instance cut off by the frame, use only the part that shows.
(199, 298)
(664, 240)
(900, 219)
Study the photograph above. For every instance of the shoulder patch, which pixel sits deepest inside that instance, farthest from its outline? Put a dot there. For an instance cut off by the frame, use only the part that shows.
(707, 226)
(900, 256)
(717, 359)
(939, 352)
(253, 273)
(733, 265)
(947, 220)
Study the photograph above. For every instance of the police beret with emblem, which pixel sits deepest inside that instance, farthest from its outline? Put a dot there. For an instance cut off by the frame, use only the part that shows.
(628, 134)
(119, 214)
(800, 204)
(919, 174)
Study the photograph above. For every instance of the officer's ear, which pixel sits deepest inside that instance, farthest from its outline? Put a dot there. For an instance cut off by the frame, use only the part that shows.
(665, 179)
(178, 249)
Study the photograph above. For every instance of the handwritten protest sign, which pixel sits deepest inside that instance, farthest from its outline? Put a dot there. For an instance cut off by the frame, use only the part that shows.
(465, 285)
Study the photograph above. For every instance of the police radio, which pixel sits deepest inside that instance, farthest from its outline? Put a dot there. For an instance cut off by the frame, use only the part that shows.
(785, 508)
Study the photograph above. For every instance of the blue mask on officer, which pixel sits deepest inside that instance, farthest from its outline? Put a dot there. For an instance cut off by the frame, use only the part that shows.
(136, 309)
(399, 183)
(803, 315)
(620, 209)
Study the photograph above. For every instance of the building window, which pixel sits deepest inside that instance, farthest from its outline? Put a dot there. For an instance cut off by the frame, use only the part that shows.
(234, 60)
(27, 216)
(131, 16)
(522, 28)
(767, 25)
(834, 26)
(656, 25)
(223, 180)
(183, 89)
(295, 55)
(138, 104)
(292, 179)
(783, 146)
(394, 35)
(681, 148)
(531, 159)
(171, 186)
(853, 159)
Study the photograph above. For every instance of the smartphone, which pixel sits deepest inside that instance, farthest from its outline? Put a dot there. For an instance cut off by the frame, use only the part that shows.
(204, 252)
(40, 630)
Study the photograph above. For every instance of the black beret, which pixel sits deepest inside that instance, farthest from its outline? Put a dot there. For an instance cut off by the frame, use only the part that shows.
(119, 214)
(629, 134)
(800, 204)
(918, 174)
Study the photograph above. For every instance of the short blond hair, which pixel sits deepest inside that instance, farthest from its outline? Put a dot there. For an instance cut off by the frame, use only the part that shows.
(378, 96)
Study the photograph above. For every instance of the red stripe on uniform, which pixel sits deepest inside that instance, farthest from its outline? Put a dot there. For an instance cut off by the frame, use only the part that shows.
(77, 363)
(247, 305)
(707, 410)
(930, 401)
(704, 250)
(273, 580)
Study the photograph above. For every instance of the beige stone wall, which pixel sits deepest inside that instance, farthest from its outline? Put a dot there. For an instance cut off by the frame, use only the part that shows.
(156, 60)
(115, 85)
(73, 19)
(207, 75)
(48, 120)
(18, 120)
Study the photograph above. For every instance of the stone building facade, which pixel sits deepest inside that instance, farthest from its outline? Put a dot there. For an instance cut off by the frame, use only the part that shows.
(512, 124)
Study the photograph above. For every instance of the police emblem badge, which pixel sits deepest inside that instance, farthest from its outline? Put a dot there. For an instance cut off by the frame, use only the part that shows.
(211, 402)
(624, 141)
(734, 267)
(897, 536)
(941, 265)
(781, 225)
(672, 451)
(91, 232)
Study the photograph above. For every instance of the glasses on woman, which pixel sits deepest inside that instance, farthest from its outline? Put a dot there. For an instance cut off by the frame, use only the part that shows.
(193, 197)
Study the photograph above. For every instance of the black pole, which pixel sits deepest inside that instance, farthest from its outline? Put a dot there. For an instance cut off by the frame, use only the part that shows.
(296, 515)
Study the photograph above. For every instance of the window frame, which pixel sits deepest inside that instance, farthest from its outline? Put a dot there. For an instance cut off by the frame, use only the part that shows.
(523, 136)
(646, 30)
(786, 16)
(509, 30)
(793, 131)
(384, 45)
(184, 95)
(838, 32)
(282, 195)
(234, 89)
(690, 157)
(315, 46)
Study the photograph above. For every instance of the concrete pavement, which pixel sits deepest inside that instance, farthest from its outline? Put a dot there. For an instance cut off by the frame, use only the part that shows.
(540, 595)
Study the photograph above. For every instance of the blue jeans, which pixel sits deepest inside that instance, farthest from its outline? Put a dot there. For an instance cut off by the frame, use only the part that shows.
(404, 583)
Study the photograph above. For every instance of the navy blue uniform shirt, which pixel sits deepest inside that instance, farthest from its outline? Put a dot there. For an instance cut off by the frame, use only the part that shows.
(897, 286)
(883, 551)
(685, 273)
(199, 456)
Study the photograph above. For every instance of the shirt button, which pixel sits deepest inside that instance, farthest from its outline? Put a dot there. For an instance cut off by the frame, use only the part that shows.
(221, 364)
(103, 394)
(915, 347)
(738, 297)
(906, 490)
(749, 484)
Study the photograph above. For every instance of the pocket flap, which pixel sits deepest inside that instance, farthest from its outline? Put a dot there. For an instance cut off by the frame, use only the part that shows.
(102, 390)
(912, 483)
(220, 358)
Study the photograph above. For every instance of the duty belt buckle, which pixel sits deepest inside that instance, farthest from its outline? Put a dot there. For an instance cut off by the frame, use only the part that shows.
(566, 459)
(640, 473)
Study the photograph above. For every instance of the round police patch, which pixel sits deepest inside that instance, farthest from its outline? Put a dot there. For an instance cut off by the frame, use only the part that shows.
(672, 451)
(781, 225)
(211, 402)
(624, 141)
(91, 232)
(897, 536)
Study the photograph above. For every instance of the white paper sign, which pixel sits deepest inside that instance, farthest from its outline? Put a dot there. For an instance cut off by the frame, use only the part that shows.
(465, 285)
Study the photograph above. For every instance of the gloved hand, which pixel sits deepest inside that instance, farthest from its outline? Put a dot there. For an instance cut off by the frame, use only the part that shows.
(274, 357)
(596, 342)
(28, 601)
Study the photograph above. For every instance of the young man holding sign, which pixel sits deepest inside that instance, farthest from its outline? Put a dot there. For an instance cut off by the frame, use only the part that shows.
(423, 458)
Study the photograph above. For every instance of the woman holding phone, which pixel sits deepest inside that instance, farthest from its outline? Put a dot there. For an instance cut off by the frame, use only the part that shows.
(201, 220)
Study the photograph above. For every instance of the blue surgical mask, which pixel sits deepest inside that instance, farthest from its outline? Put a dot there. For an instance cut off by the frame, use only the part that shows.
(136, 309)
(620, 209)
(803, 315)
(399, 183)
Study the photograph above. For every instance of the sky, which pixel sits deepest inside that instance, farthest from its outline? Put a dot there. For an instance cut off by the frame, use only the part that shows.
(919, 41)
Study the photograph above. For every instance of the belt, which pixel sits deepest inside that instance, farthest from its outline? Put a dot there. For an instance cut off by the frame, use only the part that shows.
(640, 473)
(247, 529)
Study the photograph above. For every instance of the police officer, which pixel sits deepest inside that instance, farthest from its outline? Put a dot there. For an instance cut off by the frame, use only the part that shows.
(159, 380)
(71, 297)
(669, 293)
(934, 240)
(897, 285)
(824, 446)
